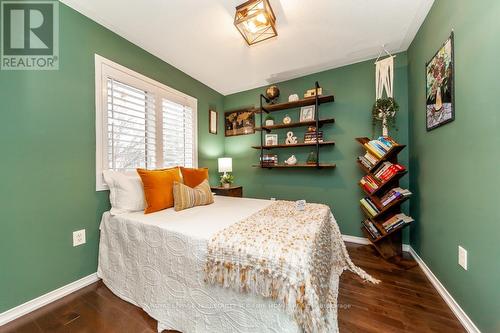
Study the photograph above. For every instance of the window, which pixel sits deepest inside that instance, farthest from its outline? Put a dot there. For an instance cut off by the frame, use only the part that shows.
(140, 123)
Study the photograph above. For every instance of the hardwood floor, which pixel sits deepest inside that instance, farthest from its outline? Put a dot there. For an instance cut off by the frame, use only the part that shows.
(405, 301)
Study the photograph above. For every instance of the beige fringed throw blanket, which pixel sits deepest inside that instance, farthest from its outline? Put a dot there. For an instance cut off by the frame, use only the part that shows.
(294, 257)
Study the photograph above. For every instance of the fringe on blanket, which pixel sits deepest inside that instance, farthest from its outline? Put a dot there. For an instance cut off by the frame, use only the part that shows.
(299, 301)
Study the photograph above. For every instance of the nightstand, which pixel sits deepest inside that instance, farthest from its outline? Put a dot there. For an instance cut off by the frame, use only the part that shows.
(232, 191)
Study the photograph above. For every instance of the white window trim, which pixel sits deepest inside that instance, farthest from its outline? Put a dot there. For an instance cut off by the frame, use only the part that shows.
(105, 68)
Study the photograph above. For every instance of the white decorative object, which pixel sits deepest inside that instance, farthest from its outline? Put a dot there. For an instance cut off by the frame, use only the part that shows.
(290, 139)
(292, 160)
(287, 120)
(384, 80)
(269, 122)
(293, 98)
(271, 139)
(300, 204)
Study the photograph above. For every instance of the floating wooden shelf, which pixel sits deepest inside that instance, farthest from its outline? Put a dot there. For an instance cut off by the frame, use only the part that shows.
(325, 143)
(321, 122)
(284, 166)
(297, 104)
(318, 122)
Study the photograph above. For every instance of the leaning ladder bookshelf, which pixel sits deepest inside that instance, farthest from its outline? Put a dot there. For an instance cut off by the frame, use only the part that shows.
(389, 244)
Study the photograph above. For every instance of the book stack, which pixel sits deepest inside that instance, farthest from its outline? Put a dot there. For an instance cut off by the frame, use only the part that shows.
(372, 229)
(368, 160)
(370, 206)
(269, 160)
(387, 170)
(394, 194)
(369, 183)
(311, 137)
(380, 146)
(396, 221)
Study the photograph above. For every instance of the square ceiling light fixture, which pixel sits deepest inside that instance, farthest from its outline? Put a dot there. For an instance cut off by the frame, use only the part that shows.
(255, 21)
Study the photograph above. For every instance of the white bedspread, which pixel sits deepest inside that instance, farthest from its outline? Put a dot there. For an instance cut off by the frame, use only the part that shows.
(156, 261)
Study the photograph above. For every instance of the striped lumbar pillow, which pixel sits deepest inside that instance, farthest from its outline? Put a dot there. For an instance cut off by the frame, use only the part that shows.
(187, 197)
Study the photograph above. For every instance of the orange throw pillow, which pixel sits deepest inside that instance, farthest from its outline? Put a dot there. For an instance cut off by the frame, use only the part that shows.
(158, 188)
(194, 177)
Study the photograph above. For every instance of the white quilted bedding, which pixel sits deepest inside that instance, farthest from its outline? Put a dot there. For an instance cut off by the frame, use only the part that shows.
(156, 261)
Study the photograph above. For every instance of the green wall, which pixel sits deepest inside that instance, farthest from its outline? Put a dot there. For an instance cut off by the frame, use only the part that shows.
(454, 169)
(47, 140)
(354, 90)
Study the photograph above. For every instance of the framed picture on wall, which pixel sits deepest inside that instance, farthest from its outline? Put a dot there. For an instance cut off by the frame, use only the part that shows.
(307, 113)
(239, 122)
(440, 85)
(212, 121)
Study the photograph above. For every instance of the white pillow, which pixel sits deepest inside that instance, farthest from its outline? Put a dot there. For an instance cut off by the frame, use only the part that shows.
(126, 192)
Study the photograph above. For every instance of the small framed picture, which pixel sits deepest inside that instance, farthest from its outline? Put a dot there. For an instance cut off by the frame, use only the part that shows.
(212, 121)
(271, 140)
(307, 113)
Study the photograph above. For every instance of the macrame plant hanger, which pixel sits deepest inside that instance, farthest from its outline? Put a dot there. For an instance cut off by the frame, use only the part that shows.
(384, 79)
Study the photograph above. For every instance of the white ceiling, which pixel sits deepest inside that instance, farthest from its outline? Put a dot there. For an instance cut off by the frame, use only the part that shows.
(199, 38)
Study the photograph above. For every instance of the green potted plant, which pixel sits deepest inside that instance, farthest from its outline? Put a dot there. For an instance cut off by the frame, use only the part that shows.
(226, 180)
(269, 120)
(384, 112)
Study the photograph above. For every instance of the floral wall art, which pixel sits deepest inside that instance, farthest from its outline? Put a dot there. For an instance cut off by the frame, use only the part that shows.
(440, 86)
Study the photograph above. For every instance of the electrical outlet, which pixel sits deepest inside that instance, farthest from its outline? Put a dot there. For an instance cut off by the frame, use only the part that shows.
(462, 257)
(79, 237)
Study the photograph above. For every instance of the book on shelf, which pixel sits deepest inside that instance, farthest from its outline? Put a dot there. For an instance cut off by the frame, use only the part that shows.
(396, 221)
(379, 147)
(368, 160)
(269, 160)
(372, 229)
(387, 170)
(369, 183)
(310, 137)
(370, 206)
(394, 194)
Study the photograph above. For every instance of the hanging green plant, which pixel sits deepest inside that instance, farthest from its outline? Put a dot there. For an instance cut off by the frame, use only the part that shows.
(384, 112)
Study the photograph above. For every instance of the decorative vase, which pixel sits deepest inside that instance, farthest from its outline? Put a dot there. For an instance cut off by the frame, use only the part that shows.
(226, 185)
(269, 122)
(293, 98)
(439, 100)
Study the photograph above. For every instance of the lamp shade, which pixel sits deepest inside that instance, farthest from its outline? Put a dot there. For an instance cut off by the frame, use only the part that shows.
(225, 164)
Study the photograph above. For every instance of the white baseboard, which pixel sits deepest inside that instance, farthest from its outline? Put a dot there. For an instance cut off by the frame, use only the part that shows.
(457, 310)
(365, 241)
(49, 297)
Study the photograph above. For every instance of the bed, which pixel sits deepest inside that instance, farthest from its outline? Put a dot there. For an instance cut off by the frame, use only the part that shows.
(156, 261)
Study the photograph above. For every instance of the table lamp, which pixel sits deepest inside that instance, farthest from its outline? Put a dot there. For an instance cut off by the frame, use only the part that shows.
(225, 165)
